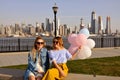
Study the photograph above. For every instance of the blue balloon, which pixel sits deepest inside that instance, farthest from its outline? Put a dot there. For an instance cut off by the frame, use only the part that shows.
(85, 31)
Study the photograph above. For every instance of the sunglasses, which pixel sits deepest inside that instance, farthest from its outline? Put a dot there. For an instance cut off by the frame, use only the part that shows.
(39, 43)
(55, 42)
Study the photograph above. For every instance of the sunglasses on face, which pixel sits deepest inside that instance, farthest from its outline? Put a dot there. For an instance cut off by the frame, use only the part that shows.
(39, 43)
(55, 42)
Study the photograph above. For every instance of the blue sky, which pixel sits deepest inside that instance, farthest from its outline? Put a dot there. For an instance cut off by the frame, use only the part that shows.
(69, 12)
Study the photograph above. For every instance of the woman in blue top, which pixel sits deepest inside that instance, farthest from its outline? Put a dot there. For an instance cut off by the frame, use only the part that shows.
(38, 61)
(59, 56)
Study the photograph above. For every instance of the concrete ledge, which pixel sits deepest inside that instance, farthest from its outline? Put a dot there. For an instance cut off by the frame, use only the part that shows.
(9, 77)
(5, 77)
(11, 74)
(69, 77)
(16, 74)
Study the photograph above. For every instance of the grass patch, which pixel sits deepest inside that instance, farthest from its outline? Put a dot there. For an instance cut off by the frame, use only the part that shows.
(109, 66)
(22, 67)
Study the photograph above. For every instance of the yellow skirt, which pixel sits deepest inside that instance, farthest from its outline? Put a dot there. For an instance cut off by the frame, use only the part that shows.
(53, 73)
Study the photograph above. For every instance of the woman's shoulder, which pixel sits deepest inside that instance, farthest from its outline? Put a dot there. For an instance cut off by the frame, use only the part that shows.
(61, 50)
(45, 49)
(48, 47)
(29, 52)
(51, 51)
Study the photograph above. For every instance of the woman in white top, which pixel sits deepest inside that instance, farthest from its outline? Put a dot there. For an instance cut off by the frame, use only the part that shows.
(59, 56)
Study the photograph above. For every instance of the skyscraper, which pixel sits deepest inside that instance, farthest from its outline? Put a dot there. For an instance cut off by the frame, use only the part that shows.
(42, 27)
(32, 30)
(17, 27)
(100, 25)
(94, 28)
(81, 23)
(38, 27)
(89, 26)
(2, 30)
(48, 25)
(108, 25)
(63, 31)
(58, 26)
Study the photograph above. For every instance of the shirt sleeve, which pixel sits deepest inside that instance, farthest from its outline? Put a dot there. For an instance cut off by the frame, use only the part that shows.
(51, 56)
(31, 64)
(29, 57)
(68, 55)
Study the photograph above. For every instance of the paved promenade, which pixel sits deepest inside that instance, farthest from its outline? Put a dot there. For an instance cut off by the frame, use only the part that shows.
(18, 58)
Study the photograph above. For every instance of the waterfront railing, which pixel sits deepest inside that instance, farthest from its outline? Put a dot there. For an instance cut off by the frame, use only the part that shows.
(26, 44)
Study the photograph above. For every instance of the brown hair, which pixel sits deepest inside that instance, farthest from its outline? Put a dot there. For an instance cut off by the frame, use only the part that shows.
(34, 49)
(59, 39)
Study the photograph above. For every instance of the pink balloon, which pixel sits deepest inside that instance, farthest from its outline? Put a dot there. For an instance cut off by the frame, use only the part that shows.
(72, 38)
(81, 40)
(77, 39)
(72, 49)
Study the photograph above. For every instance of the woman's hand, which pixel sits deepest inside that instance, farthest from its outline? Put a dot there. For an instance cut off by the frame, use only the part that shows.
(62, 74)
(79, 48)
(54, 62)
(39, 71)
(76, 52)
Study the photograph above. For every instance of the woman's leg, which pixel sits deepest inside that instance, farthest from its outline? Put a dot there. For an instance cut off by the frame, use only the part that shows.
(51, 74)
(31, 77)
(39, 78)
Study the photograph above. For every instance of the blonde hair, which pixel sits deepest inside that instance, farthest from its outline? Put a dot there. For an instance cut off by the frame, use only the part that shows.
(34, 49)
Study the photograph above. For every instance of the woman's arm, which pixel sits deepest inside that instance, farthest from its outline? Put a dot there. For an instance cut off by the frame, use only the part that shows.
(62, 74)
(29, 58)
(75, 53)
(31, 63)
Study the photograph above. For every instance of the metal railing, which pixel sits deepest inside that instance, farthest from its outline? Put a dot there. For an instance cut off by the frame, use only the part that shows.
(25, 44)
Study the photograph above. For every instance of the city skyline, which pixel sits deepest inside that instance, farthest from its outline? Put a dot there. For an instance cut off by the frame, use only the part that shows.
(70, 11)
